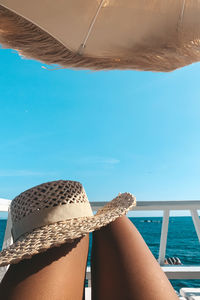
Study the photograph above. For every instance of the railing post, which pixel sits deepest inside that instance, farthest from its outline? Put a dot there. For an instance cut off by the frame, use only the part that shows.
(8, 237)
(88, 276)
(196, 221)
(7, 242)
(89, 283)
(163, 238)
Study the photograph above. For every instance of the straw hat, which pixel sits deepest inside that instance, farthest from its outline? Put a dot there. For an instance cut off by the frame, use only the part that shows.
(156, 35)
(53, 213)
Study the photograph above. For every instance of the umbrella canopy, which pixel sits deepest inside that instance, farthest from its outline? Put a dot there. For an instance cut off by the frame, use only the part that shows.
(154, 35)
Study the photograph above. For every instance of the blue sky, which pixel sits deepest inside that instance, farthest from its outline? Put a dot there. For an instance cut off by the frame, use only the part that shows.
(113, 131)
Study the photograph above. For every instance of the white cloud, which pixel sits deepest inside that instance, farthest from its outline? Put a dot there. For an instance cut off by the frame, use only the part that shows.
(100, 160)
(21, 173)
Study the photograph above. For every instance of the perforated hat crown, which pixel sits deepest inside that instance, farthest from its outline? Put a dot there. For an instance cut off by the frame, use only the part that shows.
(47, 195)
(54, 213)
(48, 203)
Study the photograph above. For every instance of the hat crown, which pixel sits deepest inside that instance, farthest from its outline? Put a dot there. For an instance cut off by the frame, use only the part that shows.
(47, 195)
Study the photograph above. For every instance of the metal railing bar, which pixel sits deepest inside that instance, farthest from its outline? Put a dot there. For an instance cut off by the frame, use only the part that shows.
(157, 205)
(141, 205)
(196, 221)
(163, 238)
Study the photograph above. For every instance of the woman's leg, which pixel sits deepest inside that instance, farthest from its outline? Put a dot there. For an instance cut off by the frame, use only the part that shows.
(123, 267)
(57, 274)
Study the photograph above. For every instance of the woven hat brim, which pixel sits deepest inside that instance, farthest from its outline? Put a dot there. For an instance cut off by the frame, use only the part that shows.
(56, 234)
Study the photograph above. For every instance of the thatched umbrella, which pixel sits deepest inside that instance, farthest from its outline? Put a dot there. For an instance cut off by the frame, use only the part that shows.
(154, 35)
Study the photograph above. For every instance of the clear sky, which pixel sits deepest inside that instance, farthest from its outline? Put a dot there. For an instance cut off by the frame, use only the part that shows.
(114, 131)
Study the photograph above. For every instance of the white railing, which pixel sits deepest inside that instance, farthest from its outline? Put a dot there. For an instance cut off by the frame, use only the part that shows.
(166, 207)
(173, 272)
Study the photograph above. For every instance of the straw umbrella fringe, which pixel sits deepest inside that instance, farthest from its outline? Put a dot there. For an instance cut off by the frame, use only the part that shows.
(32, 42)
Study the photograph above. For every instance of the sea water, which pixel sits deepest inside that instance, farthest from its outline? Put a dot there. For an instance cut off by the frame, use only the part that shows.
(182, 242)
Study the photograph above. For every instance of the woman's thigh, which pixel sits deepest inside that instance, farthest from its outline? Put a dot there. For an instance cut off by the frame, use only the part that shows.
(123, 267)
(57, 274)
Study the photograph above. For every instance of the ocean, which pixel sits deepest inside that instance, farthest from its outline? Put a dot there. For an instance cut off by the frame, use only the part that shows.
(182, 242)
